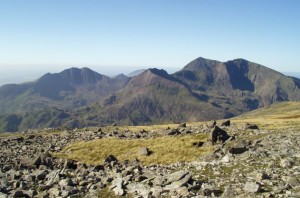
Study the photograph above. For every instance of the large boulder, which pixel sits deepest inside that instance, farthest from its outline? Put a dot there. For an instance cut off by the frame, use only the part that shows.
(218, 135)
(70, 164)
(110, 159)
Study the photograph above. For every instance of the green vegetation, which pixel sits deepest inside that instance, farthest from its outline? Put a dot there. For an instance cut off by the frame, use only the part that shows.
(164, 150)
(10, 123)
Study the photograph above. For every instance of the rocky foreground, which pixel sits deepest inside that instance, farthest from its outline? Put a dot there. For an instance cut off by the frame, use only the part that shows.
(245, 162)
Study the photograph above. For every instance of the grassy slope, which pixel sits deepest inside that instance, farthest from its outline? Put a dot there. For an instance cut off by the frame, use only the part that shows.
(168, 149)
(277, 116)
(165, 150)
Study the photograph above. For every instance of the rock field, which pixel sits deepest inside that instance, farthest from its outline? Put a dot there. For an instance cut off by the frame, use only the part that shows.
(245, 162)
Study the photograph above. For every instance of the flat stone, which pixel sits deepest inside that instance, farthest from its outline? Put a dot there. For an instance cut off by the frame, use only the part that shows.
(179, 183)
(176, 176)
(252, 187)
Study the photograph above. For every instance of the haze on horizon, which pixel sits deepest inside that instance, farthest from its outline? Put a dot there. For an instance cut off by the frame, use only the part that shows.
(115, 36)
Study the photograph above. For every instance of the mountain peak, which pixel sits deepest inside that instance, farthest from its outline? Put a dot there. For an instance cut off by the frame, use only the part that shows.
(200, 63)
(120, 76)
(80, 76)
(159, 72)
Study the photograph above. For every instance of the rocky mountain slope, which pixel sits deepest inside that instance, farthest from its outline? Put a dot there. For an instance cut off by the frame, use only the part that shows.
(239, 82)
(204, 89)
(254, 155)
(156, 97)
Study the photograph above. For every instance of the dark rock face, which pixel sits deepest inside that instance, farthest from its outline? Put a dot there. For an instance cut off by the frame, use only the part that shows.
(110, 159)
(218, 135)
(251, 126)
(174, 132)
(237, 150)
(226, 123)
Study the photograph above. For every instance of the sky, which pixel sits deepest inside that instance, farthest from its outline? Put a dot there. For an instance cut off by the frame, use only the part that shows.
(118, 36)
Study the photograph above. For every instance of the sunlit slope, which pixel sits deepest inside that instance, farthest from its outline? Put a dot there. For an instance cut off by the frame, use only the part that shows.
(276, 116)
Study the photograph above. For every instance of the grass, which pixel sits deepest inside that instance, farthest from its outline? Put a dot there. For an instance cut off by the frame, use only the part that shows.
(164, 150)
(277, 116)
(167, 149)
(139, 128)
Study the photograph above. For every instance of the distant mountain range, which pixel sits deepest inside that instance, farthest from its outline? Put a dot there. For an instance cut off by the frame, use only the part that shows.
(203, 90)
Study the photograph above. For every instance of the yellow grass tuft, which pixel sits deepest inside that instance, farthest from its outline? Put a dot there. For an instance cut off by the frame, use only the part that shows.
(165, 150)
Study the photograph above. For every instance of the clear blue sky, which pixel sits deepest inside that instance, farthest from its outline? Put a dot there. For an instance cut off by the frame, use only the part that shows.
(114, 36)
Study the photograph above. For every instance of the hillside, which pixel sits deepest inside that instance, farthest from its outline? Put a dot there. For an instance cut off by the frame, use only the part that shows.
(277, 116)
(254, 155)
(240, 83)
(203, 90)
(157, 97)
(68, 89)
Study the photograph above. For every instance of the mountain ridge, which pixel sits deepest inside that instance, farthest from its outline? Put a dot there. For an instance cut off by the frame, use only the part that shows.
(203, 89)
(68, 89)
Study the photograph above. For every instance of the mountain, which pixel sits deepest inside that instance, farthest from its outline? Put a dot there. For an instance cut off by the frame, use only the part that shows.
(68, 89)
(203, 90)
(155, 97)
(241, 83)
